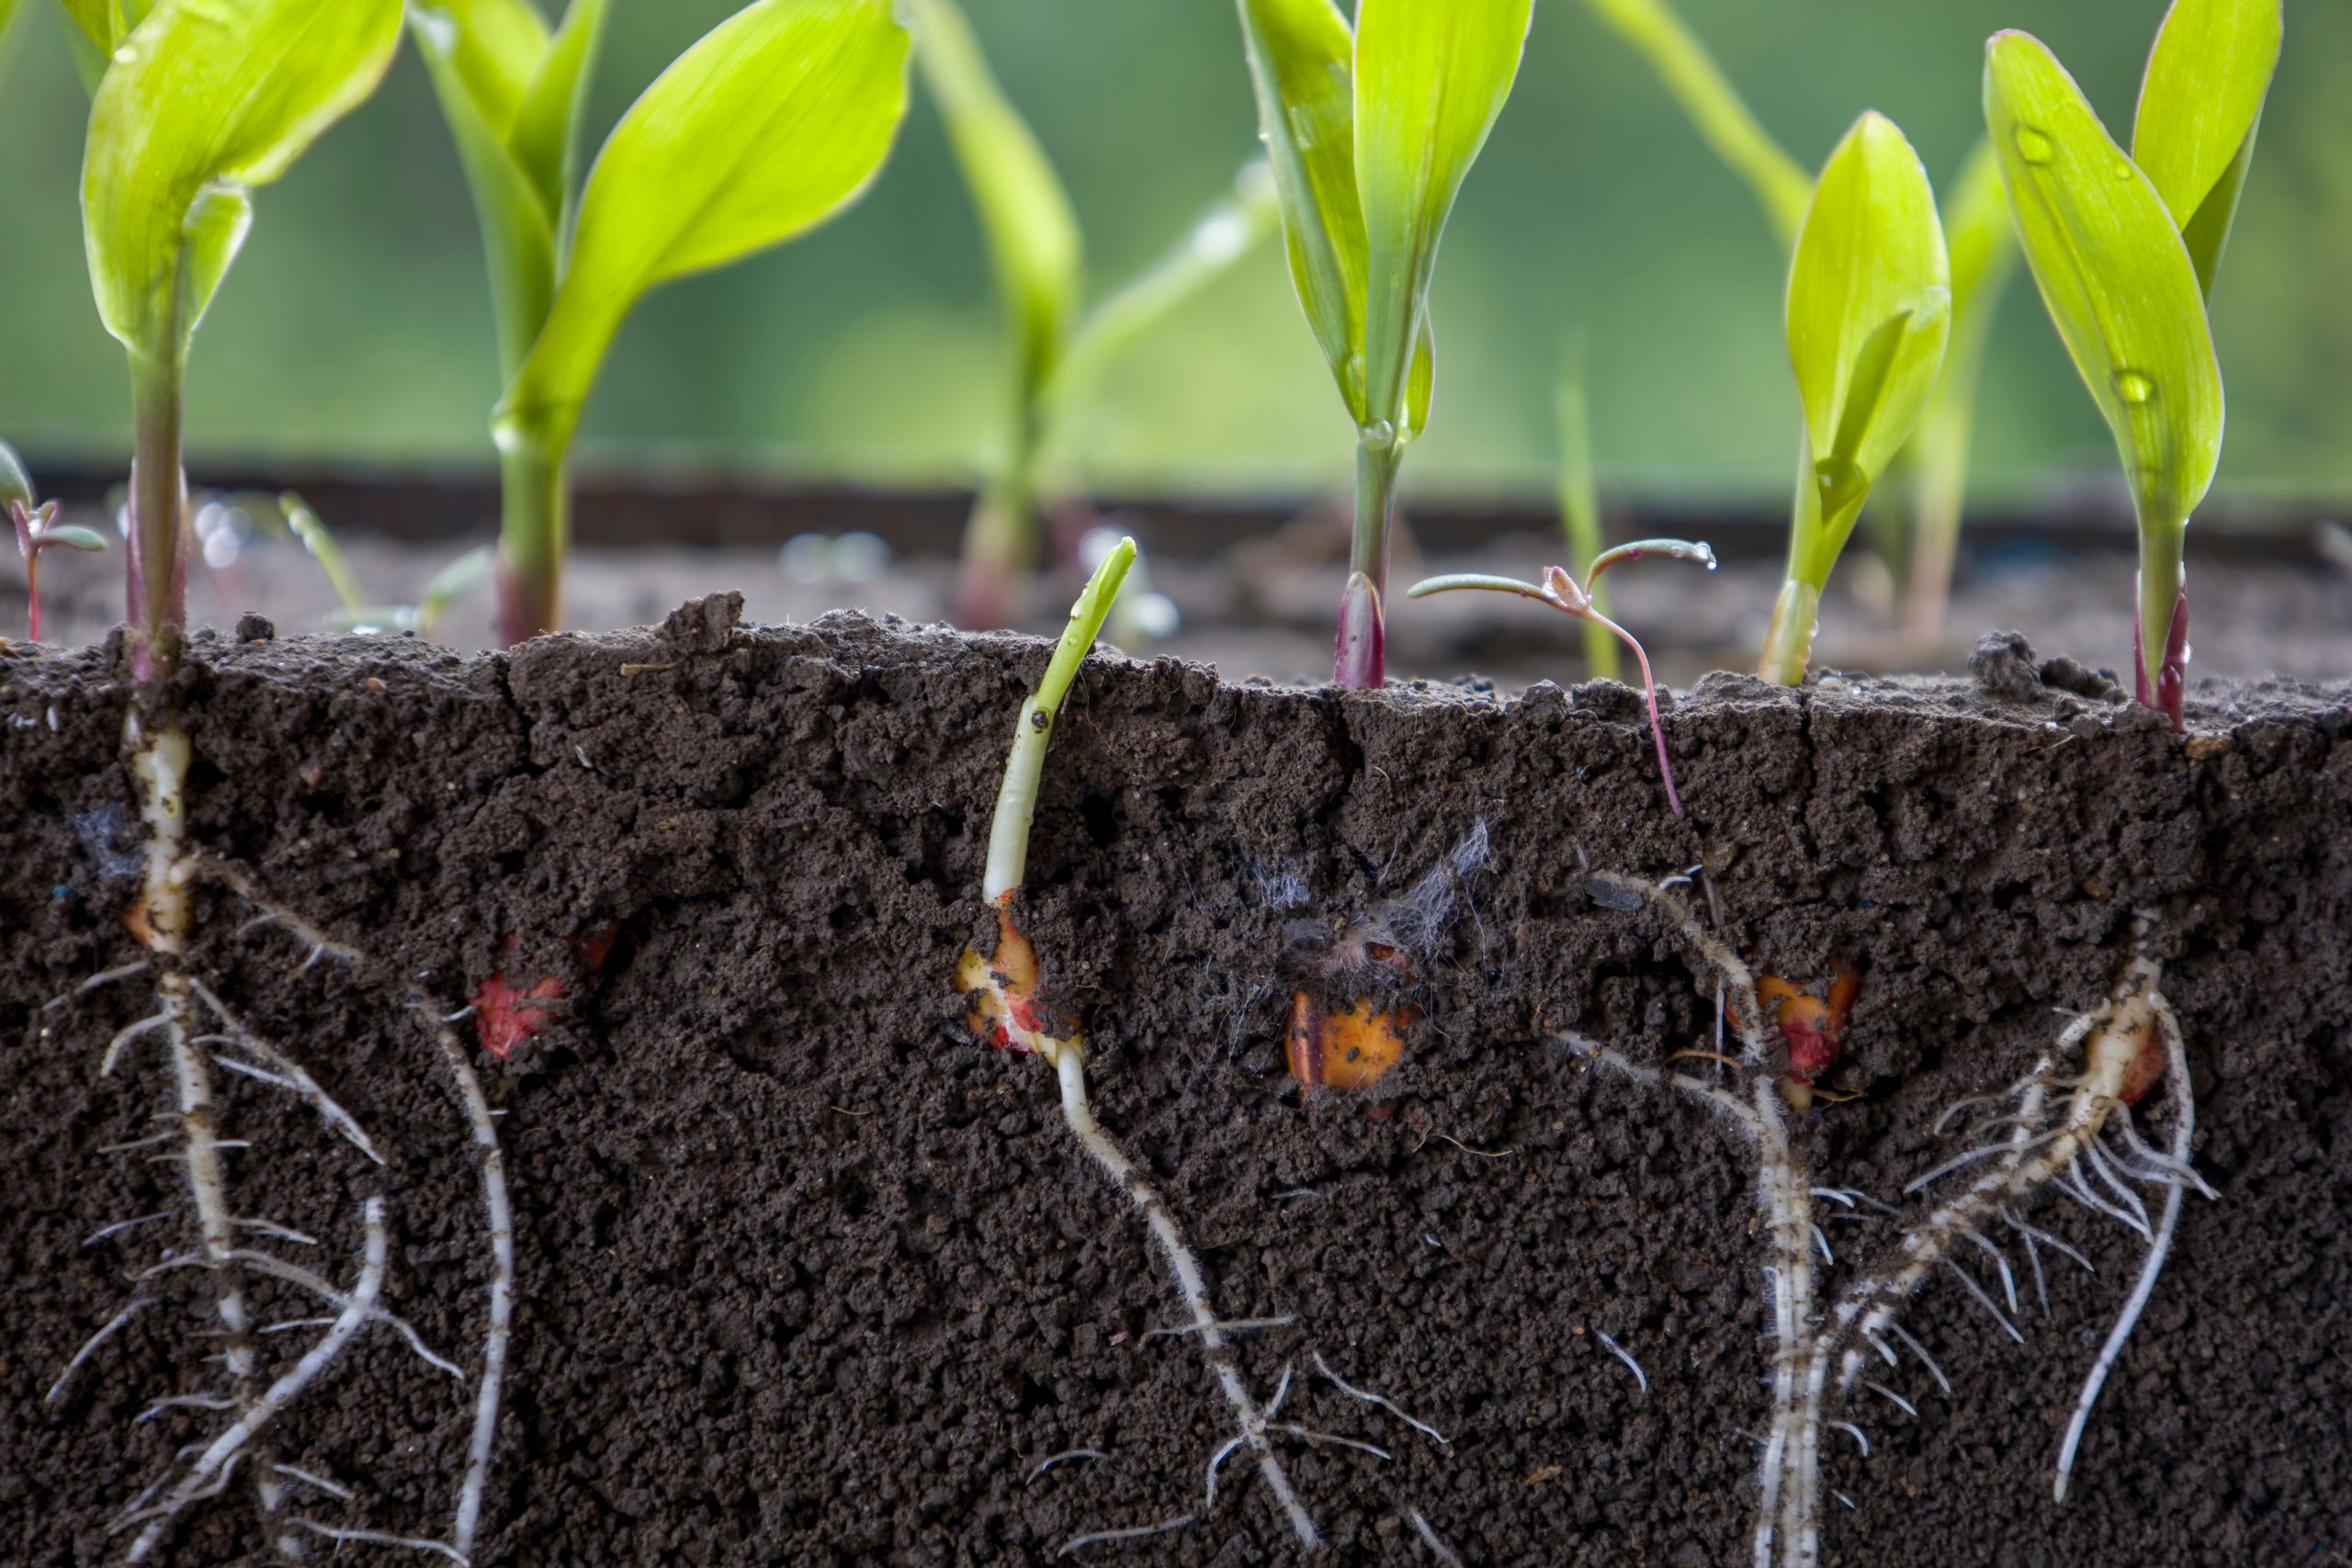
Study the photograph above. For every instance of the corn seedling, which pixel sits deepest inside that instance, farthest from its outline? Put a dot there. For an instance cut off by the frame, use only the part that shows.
(2125, 250)
(1568, 596)
(2066, 1128)
(1010, 1014)
(1983, 256)
(1869, 314)
(38, 529)
(1370, 135)
(200, 103)
(1036, 252)
(1580, 510)
(773, 122)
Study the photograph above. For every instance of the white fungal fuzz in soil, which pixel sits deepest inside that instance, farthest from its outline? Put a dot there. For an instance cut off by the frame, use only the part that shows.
(2051, 1140)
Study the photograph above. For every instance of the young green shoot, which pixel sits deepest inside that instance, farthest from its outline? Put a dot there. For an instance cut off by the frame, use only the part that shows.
(1009, 1016)
(2124, 248)
(1868, 313)
(38, 529)
(773, 122)
(1371, 136)
(1024, 766)
(1580, 510)
(1563, 593)
(1983, 256)
(202, 102)
(512, 92)
(1038, 254)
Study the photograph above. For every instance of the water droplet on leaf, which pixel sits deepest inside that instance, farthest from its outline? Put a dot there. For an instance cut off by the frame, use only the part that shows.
(2134, 388)
(1379, 435)
(2034, 146)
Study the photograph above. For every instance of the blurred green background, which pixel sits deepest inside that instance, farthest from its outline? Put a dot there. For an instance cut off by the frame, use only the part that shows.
(357, 323)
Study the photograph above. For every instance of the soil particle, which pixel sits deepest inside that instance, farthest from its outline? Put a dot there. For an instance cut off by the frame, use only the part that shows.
(808, 1277)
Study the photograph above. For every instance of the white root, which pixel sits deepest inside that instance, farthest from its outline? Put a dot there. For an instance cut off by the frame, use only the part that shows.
(1430, 1539)
(288, 1073)
(1142, 1532)
(2183, 1101)
(359, 1306)
(383, 1538)
(1335, 1381)
(1050, 1460)
(1077, 1111)
(493, 1162)
(1625, 1356)
(90, 1347)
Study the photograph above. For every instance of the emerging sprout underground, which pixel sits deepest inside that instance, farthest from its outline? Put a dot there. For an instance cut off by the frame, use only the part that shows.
(1371, 136)
(1008, 1015)
(1565, 594)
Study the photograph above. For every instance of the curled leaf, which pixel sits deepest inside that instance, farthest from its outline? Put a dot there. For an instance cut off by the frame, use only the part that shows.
(2201, 103)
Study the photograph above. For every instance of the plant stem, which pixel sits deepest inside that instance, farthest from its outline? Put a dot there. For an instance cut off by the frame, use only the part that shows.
(535, 528)
(32, 597)
(1788, 645)
(1361, 651)
(157, 560)
(999, 542)
(2160, 663)
(1580, 515)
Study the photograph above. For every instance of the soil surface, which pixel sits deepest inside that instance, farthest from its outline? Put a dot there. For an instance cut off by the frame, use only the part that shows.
(807, 1276)
(1265, 607)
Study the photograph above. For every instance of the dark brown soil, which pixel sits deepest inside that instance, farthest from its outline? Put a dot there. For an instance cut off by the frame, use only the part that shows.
(808, 1277)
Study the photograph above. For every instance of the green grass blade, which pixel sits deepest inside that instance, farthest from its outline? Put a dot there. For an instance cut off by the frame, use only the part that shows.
(2115, 275)
(1034, 244)
(1778, 183)
(1580, 510)
(1429, 82)
(1869, 316)
(492, 46)
(205, 99)
(777, 121)
(1300, 54)
(2200, 101)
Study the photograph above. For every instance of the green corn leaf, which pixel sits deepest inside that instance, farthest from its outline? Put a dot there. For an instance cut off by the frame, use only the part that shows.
(1868, 315)
(518, 232)
(2115, 275)
(1780, 184)
(2201, 104)
(1033, 235)
(775, 121)
(99, 23)
(204, 100)
(492, 46)
(545, 136)
(1430, 81)
(1300, 53)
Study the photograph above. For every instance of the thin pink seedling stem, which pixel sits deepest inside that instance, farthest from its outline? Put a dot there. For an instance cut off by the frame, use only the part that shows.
(1565, 594)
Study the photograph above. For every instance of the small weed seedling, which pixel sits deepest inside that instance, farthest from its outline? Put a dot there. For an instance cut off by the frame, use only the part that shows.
(1869, 314)
(2124, 249)
(363, 615)
(1371, 136)
(1009, 1015)
(200, 103)
(1037, 253)
(1983, 256)
(38, 529)
(777, 121)
(1569, 597)
(2066, 1127)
